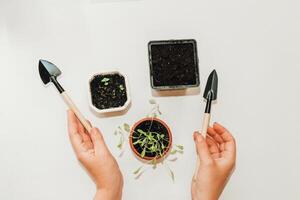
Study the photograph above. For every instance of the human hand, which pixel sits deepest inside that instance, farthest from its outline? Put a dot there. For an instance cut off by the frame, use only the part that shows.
(93, 154)
(217, 154)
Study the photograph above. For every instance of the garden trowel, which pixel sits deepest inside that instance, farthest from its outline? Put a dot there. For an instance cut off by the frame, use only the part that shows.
(210, 94)
(49, 73)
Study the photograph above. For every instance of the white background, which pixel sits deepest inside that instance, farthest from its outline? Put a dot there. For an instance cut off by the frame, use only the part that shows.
(254, 45)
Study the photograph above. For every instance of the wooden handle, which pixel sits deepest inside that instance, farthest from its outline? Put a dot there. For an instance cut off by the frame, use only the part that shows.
(74, 108)
(205, 125)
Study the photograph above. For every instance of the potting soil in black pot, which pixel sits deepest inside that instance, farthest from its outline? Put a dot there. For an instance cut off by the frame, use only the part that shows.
(173, 64)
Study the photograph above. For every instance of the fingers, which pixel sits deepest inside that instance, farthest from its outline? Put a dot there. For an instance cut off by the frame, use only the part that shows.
(212, 133)
(78, 127)
(75, 137)
(90, 125)
(84, 133)
(223, 132)
(213, 147)
(98, 141)
(226, 137)
(228, 148)
(202, 148)
(72, 123)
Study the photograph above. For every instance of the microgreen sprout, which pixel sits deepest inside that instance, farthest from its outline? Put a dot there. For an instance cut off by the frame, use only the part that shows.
(105, 80)
(121, 87)
(122, 132)
(151, 142)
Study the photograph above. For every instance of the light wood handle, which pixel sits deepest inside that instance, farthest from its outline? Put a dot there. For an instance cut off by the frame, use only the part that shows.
(205, 125)
(74, 108)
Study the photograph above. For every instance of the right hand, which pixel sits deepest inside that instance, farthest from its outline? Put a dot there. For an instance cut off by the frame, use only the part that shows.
(217, 154)
(94, 155)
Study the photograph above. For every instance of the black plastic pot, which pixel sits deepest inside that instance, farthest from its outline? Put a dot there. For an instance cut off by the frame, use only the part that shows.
(173, 64)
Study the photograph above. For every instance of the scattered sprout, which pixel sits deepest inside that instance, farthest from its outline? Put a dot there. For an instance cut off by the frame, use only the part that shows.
(139, 175)
(180, 147)
(155, 111)
(173, 159)
(137, 170)
(126, 127)
(173, 152)
(122, 132)
(120, 144)
(172, 175)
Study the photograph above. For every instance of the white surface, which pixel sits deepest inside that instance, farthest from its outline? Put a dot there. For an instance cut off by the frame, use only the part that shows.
(254, 45)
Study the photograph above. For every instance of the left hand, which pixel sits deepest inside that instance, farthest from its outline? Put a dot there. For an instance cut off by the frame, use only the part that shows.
(94, 155)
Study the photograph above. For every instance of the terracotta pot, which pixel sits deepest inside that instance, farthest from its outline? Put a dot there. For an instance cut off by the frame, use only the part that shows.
(160, 123)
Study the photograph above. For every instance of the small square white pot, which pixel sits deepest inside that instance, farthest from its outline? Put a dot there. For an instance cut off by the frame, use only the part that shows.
(109, 110)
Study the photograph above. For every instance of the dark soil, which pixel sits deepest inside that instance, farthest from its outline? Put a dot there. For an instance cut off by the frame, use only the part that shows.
(174, 63)
(108, 91)
(152, 126)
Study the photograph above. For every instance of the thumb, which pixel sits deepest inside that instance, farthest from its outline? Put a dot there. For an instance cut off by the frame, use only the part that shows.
(97, 140)
(202, 148)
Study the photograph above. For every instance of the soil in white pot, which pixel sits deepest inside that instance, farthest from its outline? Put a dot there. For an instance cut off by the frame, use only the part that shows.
(108, 91)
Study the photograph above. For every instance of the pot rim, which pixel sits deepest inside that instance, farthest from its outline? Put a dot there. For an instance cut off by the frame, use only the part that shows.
(150, 119)
(108, 110)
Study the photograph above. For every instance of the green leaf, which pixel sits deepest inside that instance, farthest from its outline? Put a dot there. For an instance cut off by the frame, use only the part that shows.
(106, 83)
(138, 170)
(136, 142)
(104, 80)
(152, 101)
(126, 127)
(154, 163)
(180, 147)
(143, 153)
(140, 174)
(173, 152)
(153, 148)
(121, 87)
(120, 144)
(141, 131)
(143, 142)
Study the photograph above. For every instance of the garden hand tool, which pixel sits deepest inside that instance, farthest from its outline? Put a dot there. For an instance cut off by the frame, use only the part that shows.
(49, 73)
(210, 94)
